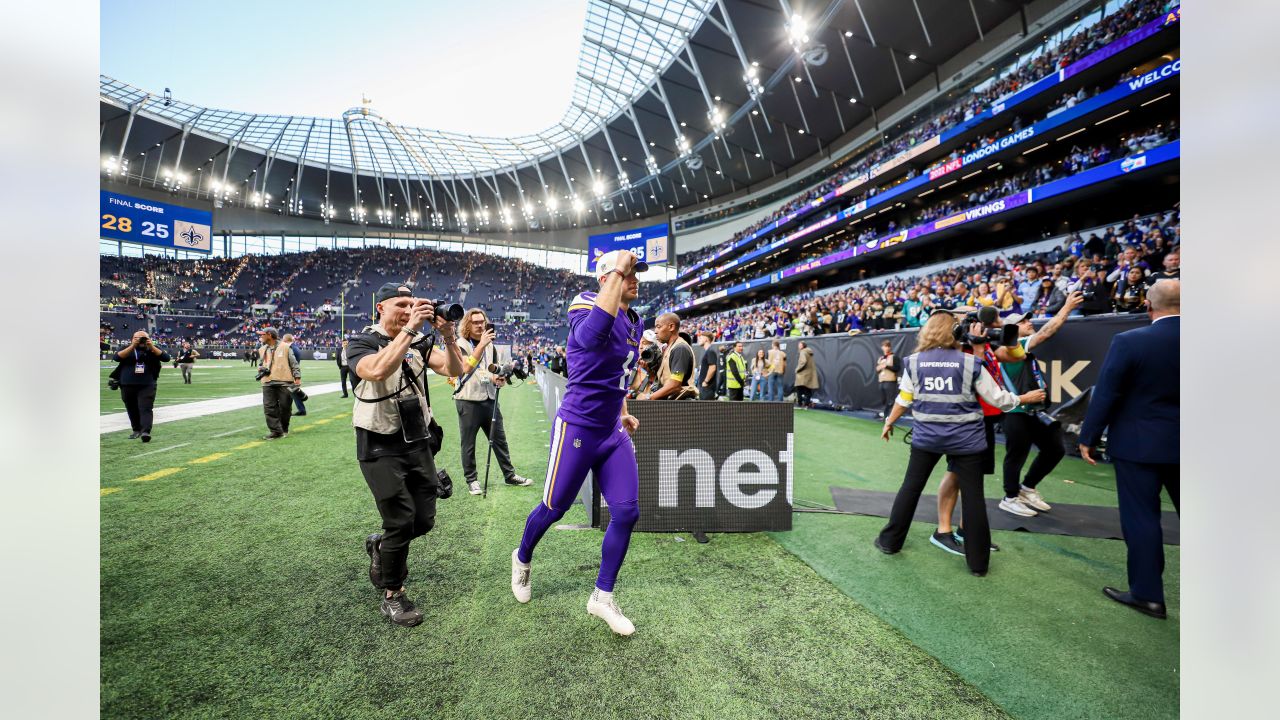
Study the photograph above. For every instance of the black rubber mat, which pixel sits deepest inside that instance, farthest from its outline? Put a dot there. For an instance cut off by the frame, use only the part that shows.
(1092, 521)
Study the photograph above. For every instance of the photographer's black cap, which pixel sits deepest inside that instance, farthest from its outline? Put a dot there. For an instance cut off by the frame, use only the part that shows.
(390, 290)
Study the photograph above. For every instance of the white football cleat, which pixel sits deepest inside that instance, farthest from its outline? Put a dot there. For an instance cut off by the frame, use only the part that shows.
(473, 487)
(602, 606)
(1031, 497)
(520, 578)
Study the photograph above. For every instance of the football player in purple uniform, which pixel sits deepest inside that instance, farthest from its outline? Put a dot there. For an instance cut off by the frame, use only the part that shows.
(591, 432)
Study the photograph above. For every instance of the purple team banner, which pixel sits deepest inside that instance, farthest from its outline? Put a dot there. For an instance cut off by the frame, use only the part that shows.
(1122, 44)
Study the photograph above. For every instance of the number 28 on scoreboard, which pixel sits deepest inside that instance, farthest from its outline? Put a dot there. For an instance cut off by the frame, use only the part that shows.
(125, 225)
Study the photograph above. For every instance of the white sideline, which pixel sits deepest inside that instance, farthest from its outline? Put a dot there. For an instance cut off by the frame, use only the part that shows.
(186, 411)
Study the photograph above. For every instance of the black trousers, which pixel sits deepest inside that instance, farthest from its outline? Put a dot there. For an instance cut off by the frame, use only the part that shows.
(474, 416)
(1138, 490)
(888, 393)
(968, 470)
(138, 402)
(735, 393)
(404, 489)
(277, 405)
(707, 393)
(1021, 431)
(804, 396)
(345, 373)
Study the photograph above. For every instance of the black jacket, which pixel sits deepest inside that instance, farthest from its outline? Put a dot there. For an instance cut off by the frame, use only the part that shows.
(148, 359)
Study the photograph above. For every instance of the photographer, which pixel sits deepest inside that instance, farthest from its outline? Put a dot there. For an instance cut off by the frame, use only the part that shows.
(887, 368)
(1028, 425)
(676, 370)
(278, 373)
(395, 437)
(139, 368)
(650, 354)
(345, 375)
(942, 385)
(187, 360)
(476, 399)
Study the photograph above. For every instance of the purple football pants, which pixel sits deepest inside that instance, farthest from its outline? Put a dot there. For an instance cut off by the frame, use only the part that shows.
(611, 458)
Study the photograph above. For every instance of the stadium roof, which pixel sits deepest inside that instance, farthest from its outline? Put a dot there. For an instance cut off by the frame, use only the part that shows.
(675, 101)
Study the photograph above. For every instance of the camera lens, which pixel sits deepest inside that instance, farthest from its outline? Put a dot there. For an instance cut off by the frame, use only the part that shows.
(449, 311)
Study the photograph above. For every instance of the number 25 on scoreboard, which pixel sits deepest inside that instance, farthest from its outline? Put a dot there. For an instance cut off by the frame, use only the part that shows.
(125, 225)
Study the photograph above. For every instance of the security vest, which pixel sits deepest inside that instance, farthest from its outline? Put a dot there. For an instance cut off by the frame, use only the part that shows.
(384, 417)
(945, 406)
(664, 371)
(278, 361)
(735, 361)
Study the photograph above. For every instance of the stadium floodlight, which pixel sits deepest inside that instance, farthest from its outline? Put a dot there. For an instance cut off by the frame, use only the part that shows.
(853, 101)
(848, 34)
(798, 28)
(598, 187)
(551, 203)
(912, 56)
(683, 143)
(577, 205)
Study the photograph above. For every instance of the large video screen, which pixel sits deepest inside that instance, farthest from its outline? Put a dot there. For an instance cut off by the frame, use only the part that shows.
(133, 219)
(651, 244)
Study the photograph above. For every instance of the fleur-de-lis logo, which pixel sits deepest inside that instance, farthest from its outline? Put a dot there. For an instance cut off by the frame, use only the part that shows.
(192, 237)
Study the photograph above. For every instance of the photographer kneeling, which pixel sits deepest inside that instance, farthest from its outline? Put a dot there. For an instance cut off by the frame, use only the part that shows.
(396, 436)
(476, 399)
(942, 385)
(675, 373)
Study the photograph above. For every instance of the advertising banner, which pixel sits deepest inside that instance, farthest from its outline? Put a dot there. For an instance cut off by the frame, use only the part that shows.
(704, 466)
(133, 219)
(1069, 361)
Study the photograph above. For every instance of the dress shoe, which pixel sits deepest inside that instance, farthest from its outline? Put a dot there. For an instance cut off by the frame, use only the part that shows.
(1154, 609)
(882, 548)
(136, 434)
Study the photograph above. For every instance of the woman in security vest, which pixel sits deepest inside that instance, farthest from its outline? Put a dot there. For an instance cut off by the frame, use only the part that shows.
(941, 384)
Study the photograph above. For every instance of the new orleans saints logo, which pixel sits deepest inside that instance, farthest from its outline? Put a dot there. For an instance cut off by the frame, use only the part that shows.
(192, 238)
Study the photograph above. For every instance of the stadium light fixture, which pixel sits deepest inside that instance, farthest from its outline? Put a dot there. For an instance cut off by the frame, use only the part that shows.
(848, 34)
(598, 187)
(577, 205)
(912, 56)
(798, 28)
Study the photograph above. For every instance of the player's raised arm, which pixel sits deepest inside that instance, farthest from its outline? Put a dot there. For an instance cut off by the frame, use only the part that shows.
(613, 280)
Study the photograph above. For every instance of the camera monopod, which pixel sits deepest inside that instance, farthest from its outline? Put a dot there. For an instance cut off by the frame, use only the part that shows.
(488, 459)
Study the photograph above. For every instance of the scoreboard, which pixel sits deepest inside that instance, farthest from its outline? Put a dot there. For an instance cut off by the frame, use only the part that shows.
(132, 219)
(650, 244)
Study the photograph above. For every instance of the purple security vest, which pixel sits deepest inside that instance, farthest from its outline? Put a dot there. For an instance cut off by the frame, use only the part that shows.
(945, 409)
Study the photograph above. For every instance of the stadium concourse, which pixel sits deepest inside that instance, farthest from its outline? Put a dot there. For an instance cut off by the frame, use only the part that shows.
(795, 175)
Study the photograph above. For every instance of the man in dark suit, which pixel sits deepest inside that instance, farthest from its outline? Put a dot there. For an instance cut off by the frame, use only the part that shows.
(1137, 397)
(345, 372)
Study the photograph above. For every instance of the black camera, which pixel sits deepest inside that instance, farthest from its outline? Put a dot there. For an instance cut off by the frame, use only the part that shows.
(997, 332)
(449, 311)
(262, 372)
(651, 356)
(298, 393)
(506, 371)
(444, 485)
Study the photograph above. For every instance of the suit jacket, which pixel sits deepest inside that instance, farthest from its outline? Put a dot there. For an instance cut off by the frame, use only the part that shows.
(1137, 395)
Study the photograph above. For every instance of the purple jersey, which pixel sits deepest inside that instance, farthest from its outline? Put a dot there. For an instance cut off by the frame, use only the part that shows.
(601, 352)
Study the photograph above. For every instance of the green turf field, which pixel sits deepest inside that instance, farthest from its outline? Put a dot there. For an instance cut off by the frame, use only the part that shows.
(234, 585)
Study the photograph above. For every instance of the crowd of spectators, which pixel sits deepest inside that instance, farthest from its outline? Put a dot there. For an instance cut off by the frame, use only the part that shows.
(1072, 161)
(1112, 269)
(1123, 20)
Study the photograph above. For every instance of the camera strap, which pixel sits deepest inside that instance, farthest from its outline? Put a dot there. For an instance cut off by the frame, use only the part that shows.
(407, 377)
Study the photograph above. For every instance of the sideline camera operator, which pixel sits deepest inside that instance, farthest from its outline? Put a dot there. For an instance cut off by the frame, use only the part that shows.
(138, 370)
(942, 385)
(477, 395)
(279, 372)
(396, 436)
(676, 370)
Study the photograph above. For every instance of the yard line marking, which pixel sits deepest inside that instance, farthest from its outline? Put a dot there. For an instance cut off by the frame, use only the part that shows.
(157, 474)
(301, 429)
(187, 410)
(209, 458)
(322, 422)
(108, 491)
(233, 432)
(171, 447)
(250, 444)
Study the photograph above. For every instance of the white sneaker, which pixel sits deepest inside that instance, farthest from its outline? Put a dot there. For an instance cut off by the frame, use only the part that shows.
(1031, 497)
(473, 487)
(1014, 506)
(520, 578)
(602, 606)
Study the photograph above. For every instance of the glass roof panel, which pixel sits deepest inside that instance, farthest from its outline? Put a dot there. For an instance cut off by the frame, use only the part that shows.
(625, 45)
